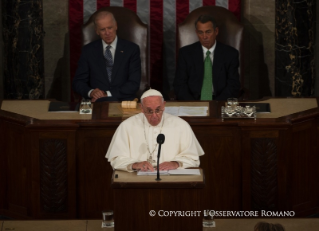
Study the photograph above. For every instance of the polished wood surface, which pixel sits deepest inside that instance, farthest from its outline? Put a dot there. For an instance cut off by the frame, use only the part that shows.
(57, 168)
(290, 224)
(135, 200)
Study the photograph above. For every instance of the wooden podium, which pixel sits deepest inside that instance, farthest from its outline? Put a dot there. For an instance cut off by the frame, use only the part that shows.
(141, 203)
(270, 164)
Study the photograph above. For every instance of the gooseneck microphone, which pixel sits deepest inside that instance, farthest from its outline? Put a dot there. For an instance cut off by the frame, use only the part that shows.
(160, 140)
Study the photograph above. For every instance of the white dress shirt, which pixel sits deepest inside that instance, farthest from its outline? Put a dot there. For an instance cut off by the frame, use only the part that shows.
(112, 48)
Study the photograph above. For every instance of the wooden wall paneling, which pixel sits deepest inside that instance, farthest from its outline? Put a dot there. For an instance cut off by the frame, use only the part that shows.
(132, 222)
(3, 169)
(221, 165)
(316, 163)
(145, 200)
(94, 176)
(284, 150)
(35, 175)
(16, 195)
(303, 166)
(246, 169)
(231, 151)
(260, 168)
(264, 174)
(54, 174)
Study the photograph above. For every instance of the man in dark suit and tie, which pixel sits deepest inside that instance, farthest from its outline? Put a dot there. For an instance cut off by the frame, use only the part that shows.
(109, 68)
(207, 70)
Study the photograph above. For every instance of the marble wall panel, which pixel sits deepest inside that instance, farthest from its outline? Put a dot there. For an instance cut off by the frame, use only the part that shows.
(259, 60)
(245, 10)
(295, 43)
(247, 71)
(56, 50)
(317, 53)
(1, 54)
(259, 36)
(262, 10)
(23, 49)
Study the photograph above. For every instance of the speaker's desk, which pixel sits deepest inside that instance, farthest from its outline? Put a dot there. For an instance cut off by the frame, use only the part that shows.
(53, 165)
(141, 202)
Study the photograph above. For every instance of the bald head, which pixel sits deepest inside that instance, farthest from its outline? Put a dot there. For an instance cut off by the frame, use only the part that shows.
(103, 14)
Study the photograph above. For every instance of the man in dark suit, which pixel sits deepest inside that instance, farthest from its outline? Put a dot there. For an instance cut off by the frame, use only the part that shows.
(223, 77)
(109, 68)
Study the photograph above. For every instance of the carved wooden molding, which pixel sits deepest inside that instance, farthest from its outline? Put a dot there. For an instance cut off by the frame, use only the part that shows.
(53, 175)
(264, 174)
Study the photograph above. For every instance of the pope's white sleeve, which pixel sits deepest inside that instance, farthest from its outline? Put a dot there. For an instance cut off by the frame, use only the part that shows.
(190, 149)
(118, 153)
(123, 163)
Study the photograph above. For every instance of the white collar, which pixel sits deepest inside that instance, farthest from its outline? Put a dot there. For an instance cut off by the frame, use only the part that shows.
(113, 44)
(212, 49)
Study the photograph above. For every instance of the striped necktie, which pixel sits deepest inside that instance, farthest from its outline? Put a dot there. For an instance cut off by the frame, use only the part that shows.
(109, 62)
(206, 93)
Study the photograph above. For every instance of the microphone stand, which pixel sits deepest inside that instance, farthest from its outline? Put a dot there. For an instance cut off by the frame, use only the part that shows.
(158, 156)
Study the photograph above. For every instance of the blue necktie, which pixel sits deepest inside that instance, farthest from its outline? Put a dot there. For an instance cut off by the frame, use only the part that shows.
(109, 62)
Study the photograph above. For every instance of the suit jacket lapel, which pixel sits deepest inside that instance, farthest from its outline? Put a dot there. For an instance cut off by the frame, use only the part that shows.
(217, 64)
(100, 59)
(118, 57)
(199, 62)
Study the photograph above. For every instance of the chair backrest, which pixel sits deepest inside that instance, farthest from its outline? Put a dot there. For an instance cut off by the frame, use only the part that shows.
(129, 27)
(230, 30)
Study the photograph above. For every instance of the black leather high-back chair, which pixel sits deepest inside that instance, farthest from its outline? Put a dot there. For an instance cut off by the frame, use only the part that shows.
(230, 33)
(129, 27)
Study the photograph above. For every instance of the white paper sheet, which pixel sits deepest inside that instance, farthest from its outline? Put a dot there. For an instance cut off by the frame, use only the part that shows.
(172, 110)
(148, 173)
(184, 172)
(187, 111)
(193, 111)
(171, 172)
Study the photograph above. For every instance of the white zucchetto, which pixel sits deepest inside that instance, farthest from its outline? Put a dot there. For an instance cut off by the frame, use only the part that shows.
(151, 92)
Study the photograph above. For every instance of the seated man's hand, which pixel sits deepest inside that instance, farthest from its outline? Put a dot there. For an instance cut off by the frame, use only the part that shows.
(96, 94)
(168, 165)
(143, 166)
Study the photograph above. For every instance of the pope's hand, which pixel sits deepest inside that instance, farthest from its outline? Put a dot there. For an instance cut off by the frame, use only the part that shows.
(143, 166)
(168, 165)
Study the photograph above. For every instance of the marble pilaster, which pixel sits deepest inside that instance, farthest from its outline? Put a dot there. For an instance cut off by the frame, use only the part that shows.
(23, 49)
(1, 54)
(294, 48)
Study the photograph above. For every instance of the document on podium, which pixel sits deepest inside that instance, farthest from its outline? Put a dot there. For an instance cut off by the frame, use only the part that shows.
(184, 172)
(171, 172)
(187, 111)
(193, 111)
(149, 173)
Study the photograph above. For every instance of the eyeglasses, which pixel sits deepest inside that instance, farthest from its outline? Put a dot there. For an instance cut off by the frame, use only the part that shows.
(150, 112)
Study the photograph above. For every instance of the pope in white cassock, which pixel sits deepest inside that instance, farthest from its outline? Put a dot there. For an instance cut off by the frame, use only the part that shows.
(134, 145)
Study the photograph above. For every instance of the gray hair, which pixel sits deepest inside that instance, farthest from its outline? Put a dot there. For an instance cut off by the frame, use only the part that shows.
(206, 18)
(103, 14)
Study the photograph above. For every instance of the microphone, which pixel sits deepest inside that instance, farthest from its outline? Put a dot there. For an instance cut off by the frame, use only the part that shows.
(160, 140)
